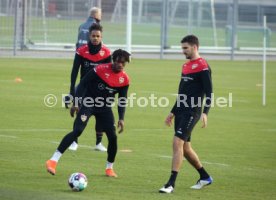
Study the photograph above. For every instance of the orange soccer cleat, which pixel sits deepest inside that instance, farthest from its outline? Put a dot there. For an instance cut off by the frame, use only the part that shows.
(110, 173)
(51, 166)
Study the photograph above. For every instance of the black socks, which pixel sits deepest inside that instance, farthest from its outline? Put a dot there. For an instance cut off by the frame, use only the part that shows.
(99, 138)
(203, 174)
(172, 179)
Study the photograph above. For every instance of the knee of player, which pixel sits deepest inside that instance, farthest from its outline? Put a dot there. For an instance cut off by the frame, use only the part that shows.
(111, 136)
(188, 151)
(77, 131)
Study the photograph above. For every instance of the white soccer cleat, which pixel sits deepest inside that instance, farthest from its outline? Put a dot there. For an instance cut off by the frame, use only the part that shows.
(100, 147)
(168, 189)
(73, 146)
(201, 183)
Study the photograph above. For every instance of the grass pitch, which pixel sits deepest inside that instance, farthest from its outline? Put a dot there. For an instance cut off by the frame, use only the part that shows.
(237, 148)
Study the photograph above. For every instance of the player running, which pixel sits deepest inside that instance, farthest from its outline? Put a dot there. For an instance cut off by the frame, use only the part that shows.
(97, 89)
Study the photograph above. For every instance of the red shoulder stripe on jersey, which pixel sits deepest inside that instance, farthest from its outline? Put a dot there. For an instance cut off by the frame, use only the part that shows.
(195, 66)
(105, 72)
(81, 49)
(104, 53)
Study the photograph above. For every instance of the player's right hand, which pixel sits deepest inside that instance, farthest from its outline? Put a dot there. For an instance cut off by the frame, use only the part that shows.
(204, 120)
(168, 120)
(74, 110)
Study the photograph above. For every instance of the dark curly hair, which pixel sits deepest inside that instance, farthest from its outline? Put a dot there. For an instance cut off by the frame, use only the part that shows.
(119, 54)
(95, 27)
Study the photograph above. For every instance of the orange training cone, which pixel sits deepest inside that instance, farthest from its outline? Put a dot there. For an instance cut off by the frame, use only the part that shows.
(18, 80)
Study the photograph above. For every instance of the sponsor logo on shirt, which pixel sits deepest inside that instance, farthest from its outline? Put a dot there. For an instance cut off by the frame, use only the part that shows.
(186, 78)
(94, 64)
(86, 64)
(101, 86)
(110, 90)
(194, 66)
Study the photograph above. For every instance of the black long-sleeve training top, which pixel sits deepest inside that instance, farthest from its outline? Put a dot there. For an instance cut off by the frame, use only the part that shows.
(196, 82)
(87, 57)
(100, 85)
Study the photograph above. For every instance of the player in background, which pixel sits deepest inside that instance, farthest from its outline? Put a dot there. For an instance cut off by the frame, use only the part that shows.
(86, 58)
(83, 31)
(195, 83)
(99, 85)
(95, 17)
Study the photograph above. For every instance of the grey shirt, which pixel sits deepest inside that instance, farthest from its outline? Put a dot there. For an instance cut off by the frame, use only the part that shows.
(83, 35)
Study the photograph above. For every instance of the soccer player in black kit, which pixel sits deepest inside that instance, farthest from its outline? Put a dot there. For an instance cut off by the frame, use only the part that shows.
(98, 89)
(195, 83)
(87, 57)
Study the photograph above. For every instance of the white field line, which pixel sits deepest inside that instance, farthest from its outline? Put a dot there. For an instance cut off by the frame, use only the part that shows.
(34, 130)
(240, 100)
(270, 130)
(66, 130)
(232, 88)
(80, 145)
(6, 80)
(154, 92)
(175, 94)
(8, 136)
(205, 162)
(89, 147)
(212, 163)
(147, 129)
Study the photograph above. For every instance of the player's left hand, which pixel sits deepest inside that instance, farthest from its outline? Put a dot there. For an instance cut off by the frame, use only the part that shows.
(74, 110)
(204, 120)
(121, 125)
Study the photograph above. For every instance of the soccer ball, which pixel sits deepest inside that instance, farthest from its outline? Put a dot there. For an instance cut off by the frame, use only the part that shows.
(77, 182)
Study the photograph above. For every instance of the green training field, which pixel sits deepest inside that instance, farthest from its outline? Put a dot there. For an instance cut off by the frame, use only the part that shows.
(237, 148)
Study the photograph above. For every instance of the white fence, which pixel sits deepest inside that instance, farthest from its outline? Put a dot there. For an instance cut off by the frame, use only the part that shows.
(157, 25)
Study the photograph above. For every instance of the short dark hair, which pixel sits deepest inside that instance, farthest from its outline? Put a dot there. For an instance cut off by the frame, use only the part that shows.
(119, 53)
(95, 27)
(191, 39)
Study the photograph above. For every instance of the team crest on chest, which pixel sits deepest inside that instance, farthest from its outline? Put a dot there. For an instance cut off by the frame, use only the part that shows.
(83, 118)
(121, 80)
(102, 53)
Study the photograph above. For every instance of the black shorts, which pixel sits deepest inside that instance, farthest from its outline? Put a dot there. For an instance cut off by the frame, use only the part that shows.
(104, 119)
(184, 124)
(98, 125)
